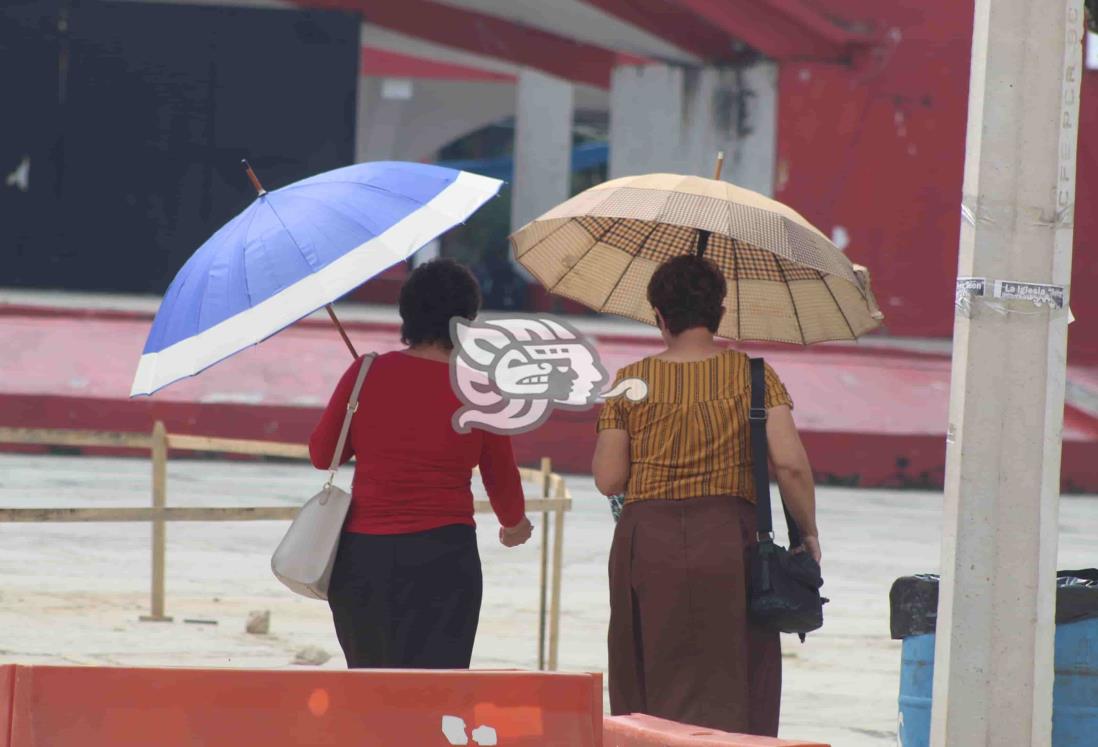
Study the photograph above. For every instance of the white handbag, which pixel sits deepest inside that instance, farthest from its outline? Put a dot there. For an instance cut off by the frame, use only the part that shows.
(306, 554)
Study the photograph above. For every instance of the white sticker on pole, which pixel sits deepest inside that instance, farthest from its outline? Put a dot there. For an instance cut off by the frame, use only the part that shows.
(967, 289)
(1039, 294)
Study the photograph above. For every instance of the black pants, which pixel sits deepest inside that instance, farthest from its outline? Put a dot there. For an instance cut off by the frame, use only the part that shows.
(407, 601)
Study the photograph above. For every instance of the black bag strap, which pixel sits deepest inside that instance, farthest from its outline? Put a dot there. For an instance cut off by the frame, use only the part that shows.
(760, 457)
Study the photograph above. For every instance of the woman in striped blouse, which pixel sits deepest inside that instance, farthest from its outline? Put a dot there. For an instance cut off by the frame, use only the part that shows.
(681, 645)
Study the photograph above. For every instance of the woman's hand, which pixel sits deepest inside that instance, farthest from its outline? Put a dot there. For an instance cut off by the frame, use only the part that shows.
(516, 535)
(810, 545)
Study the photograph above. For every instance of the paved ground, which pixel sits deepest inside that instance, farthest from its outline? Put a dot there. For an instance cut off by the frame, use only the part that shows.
(72, 593)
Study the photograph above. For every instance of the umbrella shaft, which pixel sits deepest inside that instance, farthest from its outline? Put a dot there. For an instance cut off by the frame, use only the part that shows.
(703, 243)
(342, 332)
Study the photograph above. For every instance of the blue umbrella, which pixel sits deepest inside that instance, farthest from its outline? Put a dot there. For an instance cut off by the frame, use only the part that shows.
(296, 250)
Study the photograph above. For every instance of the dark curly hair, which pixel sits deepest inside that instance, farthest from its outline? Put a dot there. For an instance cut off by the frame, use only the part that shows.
(688, 292)
(433, 294)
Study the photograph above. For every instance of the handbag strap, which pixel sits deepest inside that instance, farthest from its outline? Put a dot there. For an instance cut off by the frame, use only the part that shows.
(760, 457)
(352, 407)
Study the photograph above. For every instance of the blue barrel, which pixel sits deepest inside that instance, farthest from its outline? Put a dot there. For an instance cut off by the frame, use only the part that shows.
(916, 685)
(1074, 693)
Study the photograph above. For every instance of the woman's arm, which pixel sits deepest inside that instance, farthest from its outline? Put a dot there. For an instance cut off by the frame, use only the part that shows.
(322, 442)
(793, 473)
(610, 465)
(501, 480)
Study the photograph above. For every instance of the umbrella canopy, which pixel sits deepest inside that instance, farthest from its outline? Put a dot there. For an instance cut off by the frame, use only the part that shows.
(786, 281)
(295, 250)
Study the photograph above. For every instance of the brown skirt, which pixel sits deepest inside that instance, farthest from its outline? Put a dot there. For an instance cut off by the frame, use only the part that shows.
(681, 646)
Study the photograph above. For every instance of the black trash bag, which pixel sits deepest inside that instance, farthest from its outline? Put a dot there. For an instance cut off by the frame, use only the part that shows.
(914, 601)
(1076, 595)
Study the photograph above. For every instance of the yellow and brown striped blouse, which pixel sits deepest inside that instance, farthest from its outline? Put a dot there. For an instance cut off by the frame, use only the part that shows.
(690, 436)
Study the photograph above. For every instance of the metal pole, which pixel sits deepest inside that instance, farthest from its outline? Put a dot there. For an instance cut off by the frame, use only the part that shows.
(159, 538)
(546, 470)
(994, 658)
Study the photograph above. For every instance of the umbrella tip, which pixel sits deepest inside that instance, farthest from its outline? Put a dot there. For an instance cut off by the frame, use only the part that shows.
(252, 177)
(720, 164)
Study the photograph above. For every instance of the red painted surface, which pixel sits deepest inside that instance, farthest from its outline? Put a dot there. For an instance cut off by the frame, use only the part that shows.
(871, 418)
(541, 300)
(673, 23)
(779, 29)
(810, 17)
(878, 148)
(116, 707)
(489, 35)
(639, 730)
(383, 63)
(384, 288)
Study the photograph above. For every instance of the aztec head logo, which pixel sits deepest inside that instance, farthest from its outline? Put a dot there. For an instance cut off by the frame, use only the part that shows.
(510, 373)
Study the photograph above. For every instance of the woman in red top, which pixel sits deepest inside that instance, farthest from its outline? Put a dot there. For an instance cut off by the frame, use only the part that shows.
(406, 587)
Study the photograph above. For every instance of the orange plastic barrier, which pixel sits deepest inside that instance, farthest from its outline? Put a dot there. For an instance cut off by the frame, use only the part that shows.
(101, 707)
(7, 683)
(638, 730)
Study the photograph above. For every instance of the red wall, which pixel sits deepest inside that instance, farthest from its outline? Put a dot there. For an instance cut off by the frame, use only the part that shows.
(878, 148)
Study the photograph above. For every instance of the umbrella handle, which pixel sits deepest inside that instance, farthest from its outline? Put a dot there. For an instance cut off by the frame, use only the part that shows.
(342, 332)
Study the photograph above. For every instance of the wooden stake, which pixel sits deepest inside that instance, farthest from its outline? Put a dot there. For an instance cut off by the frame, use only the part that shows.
(159, 540)
(342, 332)
(720, 164)
(554, 598)
(546, 474)
(254, 179)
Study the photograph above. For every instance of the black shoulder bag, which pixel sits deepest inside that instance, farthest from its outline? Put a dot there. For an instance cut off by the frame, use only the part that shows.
(785, 586)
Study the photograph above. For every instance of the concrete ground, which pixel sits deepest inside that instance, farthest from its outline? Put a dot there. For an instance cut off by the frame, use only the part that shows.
(73, 593)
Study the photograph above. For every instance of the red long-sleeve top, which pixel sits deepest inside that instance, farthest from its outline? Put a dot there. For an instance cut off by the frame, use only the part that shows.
(412, 469)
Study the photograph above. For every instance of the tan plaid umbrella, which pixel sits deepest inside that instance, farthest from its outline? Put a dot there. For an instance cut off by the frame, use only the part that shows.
(786, 281)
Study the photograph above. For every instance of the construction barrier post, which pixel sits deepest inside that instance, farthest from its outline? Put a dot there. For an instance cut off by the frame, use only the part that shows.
(159, 526)
(558, 562)
(546, 471)
(160, 442)
(124, 707)
(7, 703)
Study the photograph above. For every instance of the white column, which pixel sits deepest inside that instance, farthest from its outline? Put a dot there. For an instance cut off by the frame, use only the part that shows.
(994, 657)
(383, 113)
(430, 250)
(543, 146)
(673, 118)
